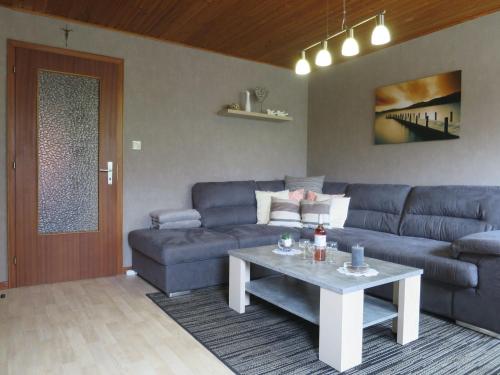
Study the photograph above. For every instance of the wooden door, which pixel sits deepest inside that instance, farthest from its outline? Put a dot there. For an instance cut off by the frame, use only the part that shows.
(65, 208)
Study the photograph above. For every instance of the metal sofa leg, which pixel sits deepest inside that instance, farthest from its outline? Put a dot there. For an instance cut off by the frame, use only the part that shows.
(177, 294)
(478, 329)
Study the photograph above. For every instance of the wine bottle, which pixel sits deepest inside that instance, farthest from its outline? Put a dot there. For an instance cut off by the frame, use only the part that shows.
(320, 241)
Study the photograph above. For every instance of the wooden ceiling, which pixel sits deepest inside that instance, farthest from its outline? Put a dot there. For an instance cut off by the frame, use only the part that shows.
(269, 31)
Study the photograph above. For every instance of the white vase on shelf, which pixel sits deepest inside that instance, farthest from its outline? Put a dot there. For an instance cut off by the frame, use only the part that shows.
(246, 103)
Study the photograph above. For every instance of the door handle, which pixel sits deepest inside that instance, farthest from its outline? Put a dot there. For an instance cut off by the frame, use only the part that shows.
(109, 171)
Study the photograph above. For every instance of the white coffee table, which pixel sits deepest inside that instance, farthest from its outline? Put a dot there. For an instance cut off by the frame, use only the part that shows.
(317, 292)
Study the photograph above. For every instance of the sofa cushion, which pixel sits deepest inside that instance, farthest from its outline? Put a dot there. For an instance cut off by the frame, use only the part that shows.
(263, 199)
(251, 235)
(447, 213)
(215, 216)
(285, 213)
(273, 185)
(173, 246)
(314, 183)
(314, 212)
(339, 208)
(224, 203)
(334, 187)
(434, 257)
(376, 206)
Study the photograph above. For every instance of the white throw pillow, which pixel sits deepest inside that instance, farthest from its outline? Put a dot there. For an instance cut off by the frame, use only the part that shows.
(339, 208)
(264, 203)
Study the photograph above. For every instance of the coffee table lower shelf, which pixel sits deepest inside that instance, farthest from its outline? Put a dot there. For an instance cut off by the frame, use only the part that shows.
(302, 299)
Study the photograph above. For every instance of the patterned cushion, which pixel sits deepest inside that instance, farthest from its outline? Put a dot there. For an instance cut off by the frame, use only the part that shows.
(312, 212)
(311, 196)
(264, 203)
(339, 208)
(285, 212)
(297, 195)
(307, 183)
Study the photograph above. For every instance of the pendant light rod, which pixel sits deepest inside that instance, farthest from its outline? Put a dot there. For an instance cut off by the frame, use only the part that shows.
(344, 30)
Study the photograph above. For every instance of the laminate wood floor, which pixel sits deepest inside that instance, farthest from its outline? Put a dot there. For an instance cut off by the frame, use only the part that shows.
(98, 326)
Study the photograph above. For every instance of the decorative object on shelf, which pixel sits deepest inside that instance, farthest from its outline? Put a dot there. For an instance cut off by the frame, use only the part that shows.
(350, 47)
(260, 95)
(244, 109)
(276, 112)
(246, 102)
(425, 109)
(357, 256)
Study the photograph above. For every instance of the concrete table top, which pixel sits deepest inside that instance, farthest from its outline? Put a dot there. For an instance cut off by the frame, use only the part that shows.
(323, 274)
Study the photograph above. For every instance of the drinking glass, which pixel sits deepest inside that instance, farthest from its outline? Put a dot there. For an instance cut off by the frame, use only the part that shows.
(303, 245)
(285, 245)
(331, 247)
(310, 252)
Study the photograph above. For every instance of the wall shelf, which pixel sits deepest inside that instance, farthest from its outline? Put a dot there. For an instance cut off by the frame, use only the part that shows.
(253, 115)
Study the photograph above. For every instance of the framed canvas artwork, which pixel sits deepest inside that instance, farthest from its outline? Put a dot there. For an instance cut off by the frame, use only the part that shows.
(425, 109)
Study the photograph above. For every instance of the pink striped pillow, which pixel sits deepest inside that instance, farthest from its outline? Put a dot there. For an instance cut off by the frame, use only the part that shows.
(296, 195)
(311, 196)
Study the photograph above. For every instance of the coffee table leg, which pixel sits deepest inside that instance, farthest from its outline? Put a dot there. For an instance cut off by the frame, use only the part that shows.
(239, 274)
(395, 296)
(408, 309)
(341, 329)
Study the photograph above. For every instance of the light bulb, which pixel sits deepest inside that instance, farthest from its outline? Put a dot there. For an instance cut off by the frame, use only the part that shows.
(380, 34)
(302, 67)
(350, 47)
(324, 57)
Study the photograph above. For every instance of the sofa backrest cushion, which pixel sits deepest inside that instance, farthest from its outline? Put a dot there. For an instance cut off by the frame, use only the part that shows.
(225, 203)
(273, 185)
(447, 213)
(376, 207)
(334, 187)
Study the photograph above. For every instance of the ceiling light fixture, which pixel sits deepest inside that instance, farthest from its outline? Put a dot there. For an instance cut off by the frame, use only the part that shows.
(324, 57)
(350, 46)
(302, 67)
(380, 34)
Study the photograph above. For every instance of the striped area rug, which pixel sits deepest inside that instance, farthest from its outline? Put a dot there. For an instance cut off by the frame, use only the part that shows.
(268, 340)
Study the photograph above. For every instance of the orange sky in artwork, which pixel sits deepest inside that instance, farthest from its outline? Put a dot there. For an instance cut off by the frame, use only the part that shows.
(404, 94)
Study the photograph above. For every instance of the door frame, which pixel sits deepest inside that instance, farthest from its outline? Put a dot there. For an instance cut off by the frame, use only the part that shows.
(11, 152)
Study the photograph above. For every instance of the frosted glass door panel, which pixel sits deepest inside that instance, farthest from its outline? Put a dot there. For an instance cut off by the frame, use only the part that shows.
(68, 153)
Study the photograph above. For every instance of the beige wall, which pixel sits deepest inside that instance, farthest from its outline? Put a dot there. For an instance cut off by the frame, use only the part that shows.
(172, 94)
(341, 111)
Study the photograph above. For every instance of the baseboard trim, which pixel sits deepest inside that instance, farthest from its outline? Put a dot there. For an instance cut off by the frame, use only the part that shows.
(478, 329)
(4, 285)
(125, 269)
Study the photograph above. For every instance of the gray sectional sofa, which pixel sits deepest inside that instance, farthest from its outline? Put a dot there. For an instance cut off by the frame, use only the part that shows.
(415, 226)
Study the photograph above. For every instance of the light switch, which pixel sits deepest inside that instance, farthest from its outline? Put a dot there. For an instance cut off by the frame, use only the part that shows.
(136, 145)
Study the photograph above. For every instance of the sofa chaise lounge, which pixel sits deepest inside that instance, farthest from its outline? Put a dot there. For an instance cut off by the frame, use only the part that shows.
(415, 226)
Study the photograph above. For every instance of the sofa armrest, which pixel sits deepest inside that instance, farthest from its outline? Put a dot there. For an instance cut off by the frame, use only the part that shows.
(485, 243)
(479, 306)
